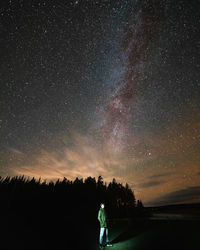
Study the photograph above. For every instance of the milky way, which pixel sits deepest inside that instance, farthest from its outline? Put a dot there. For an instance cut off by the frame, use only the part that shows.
(117, 114)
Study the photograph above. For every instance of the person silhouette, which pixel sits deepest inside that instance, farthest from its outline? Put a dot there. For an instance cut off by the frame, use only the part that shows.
(102, 217)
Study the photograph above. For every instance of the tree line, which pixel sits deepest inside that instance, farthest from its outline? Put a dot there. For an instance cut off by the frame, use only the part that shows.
(66, 197)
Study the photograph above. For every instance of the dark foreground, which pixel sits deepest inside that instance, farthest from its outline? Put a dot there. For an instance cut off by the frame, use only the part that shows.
(59, 233)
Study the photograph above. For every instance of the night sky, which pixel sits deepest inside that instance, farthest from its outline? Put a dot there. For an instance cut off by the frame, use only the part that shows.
(103, 87)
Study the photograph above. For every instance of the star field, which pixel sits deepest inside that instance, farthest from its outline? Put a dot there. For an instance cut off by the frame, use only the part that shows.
(104, 87)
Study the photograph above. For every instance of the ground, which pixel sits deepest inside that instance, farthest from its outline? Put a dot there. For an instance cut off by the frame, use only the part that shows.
(156, 234)
(59, 233)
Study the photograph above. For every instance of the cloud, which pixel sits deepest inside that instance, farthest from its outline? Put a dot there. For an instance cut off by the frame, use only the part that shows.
(16, 151)
(150, 184)
(155, 176)
(80, 159)
(172, 165)
(187, 195)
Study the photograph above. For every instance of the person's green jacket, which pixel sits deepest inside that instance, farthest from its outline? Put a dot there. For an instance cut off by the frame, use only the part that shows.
(102, 217)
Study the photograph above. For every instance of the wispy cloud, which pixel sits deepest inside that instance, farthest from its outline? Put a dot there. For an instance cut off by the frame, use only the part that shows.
(150, 184)
(156, 176)
(80, 160)
(155, 165)
(190, 194)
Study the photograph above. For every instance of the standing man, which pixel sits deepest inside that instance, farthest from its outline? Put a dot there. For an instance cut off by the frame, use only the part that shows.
(102, 217)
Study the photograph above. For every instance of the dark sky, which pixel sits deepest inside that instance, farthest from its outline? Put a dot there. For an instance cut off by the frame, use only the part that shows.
(103, 87)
